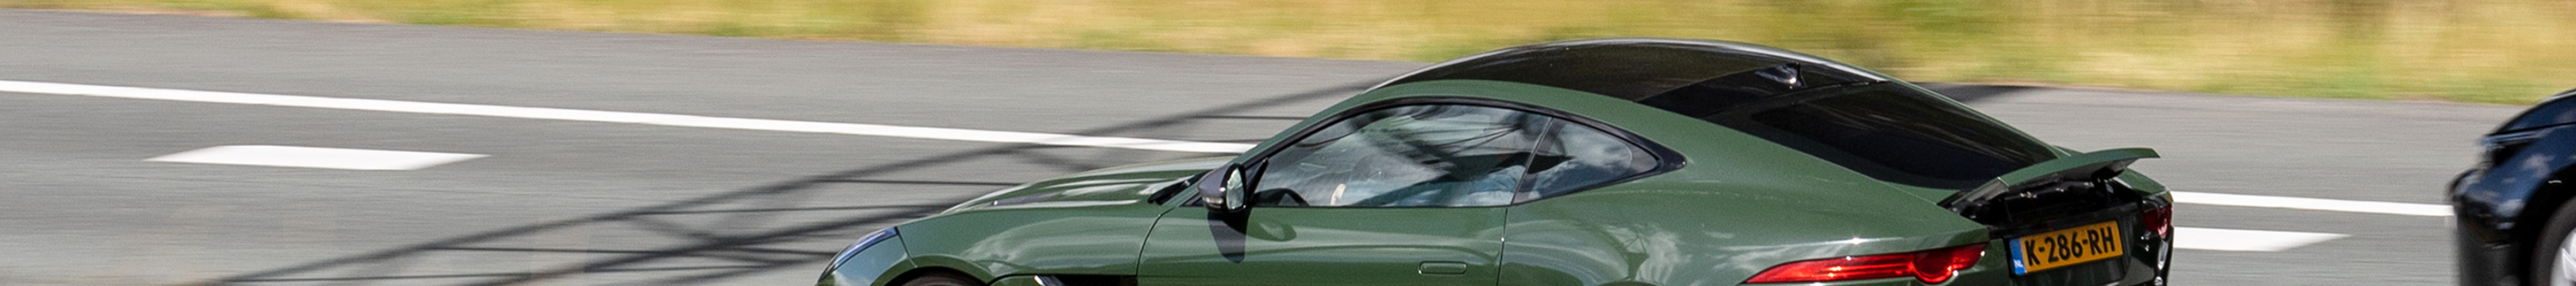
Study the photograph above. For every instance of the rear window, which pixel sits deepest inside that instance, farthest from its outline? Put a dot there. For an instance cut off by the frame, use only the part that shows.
(1890, 132)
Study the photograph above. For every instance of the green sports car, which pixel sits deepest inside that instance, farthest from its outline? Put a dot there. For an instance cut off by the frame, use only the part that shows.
(1598, 162)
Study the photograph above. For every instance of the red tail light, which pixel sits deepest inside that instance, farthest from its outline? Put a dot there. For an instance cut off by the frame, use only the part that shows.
(1837, 269)
(1930, 266)
(2160, 220)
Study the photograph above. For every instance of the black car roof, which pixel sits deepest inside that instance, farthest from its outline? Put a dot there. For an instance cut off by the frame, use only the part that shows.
(1640, 69)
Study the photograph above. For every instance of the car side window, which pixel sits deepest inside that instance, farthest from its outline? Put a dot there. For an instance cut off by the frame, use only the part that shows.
(1588, 157)
(1436, 155)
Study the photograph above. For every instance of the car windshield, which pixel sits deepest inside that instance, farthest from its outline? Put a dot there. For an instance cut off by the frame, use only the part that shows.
(2552, 111)
(1891, 132)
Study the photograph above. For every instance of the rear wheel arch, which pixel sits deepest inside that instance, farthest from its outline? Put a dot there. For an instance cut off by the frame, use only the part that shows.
(1610, 230)
(916, 273)
(925, 264)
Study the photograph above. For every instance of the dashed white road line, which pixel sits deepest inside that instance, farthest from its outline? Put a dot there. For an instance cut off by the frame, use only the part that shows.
(926, 133)
(618, 117)
(2221, 239)
(315, 157)
(2219, 199)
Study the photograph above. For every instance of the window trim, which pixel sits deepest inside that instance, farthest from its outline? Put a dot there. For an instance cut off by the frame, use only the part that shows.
(1666, 160)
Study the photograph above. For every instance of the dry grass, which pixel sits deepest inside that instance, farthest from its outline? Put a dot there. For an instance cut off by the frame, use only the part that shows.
(2491, 51)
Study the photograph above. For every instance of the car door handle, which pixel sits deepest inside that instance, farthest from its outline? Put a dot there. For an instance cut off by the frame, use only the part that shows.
(1443, 268)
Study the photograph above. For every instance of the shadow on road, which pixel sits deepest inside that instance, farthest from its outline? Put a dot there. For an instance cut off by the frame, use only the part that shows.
(740, 233)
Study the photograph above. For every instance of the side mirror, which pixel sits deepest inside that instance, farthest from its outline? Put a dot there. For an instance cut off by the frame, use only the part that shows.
(1221, 190)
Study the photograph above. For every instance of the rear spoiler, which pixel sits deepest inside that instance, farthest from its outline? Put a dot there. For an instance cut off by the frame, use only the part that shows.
(2097, 165)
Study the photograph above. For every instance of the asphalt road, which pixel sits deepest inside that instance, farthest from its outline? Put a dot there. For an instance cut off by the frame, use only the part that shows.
(600, 203)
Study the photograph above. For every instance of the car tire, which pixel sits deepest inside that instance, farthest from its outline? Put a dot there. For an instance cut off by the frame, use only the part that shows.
(942, 279)
(2549, 264)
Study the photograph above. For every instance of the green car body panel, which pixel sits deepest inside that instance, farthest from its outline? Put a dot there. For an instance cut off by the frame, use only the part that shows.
(1091, 223)
(1737, 204)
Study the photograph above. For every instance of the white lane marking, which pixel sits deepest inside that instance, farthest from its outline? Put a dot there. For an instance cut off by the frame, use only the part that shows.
(619, 117)
(315, 157)
(2312, 204)
(2221, 239)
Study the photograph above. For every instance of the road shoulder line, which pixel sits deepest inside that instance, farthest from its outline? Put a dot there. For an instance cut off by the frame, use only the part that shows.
(2236, 200)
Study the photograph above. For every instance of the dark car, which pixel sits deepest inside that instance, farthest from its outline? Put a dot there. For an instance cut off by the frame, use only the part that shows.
(2511, 205)
(1631, 162)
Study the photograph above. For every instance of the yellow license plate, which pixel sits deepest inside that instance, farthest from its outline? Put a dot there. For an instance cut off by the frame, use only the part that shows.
(2066, 247)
